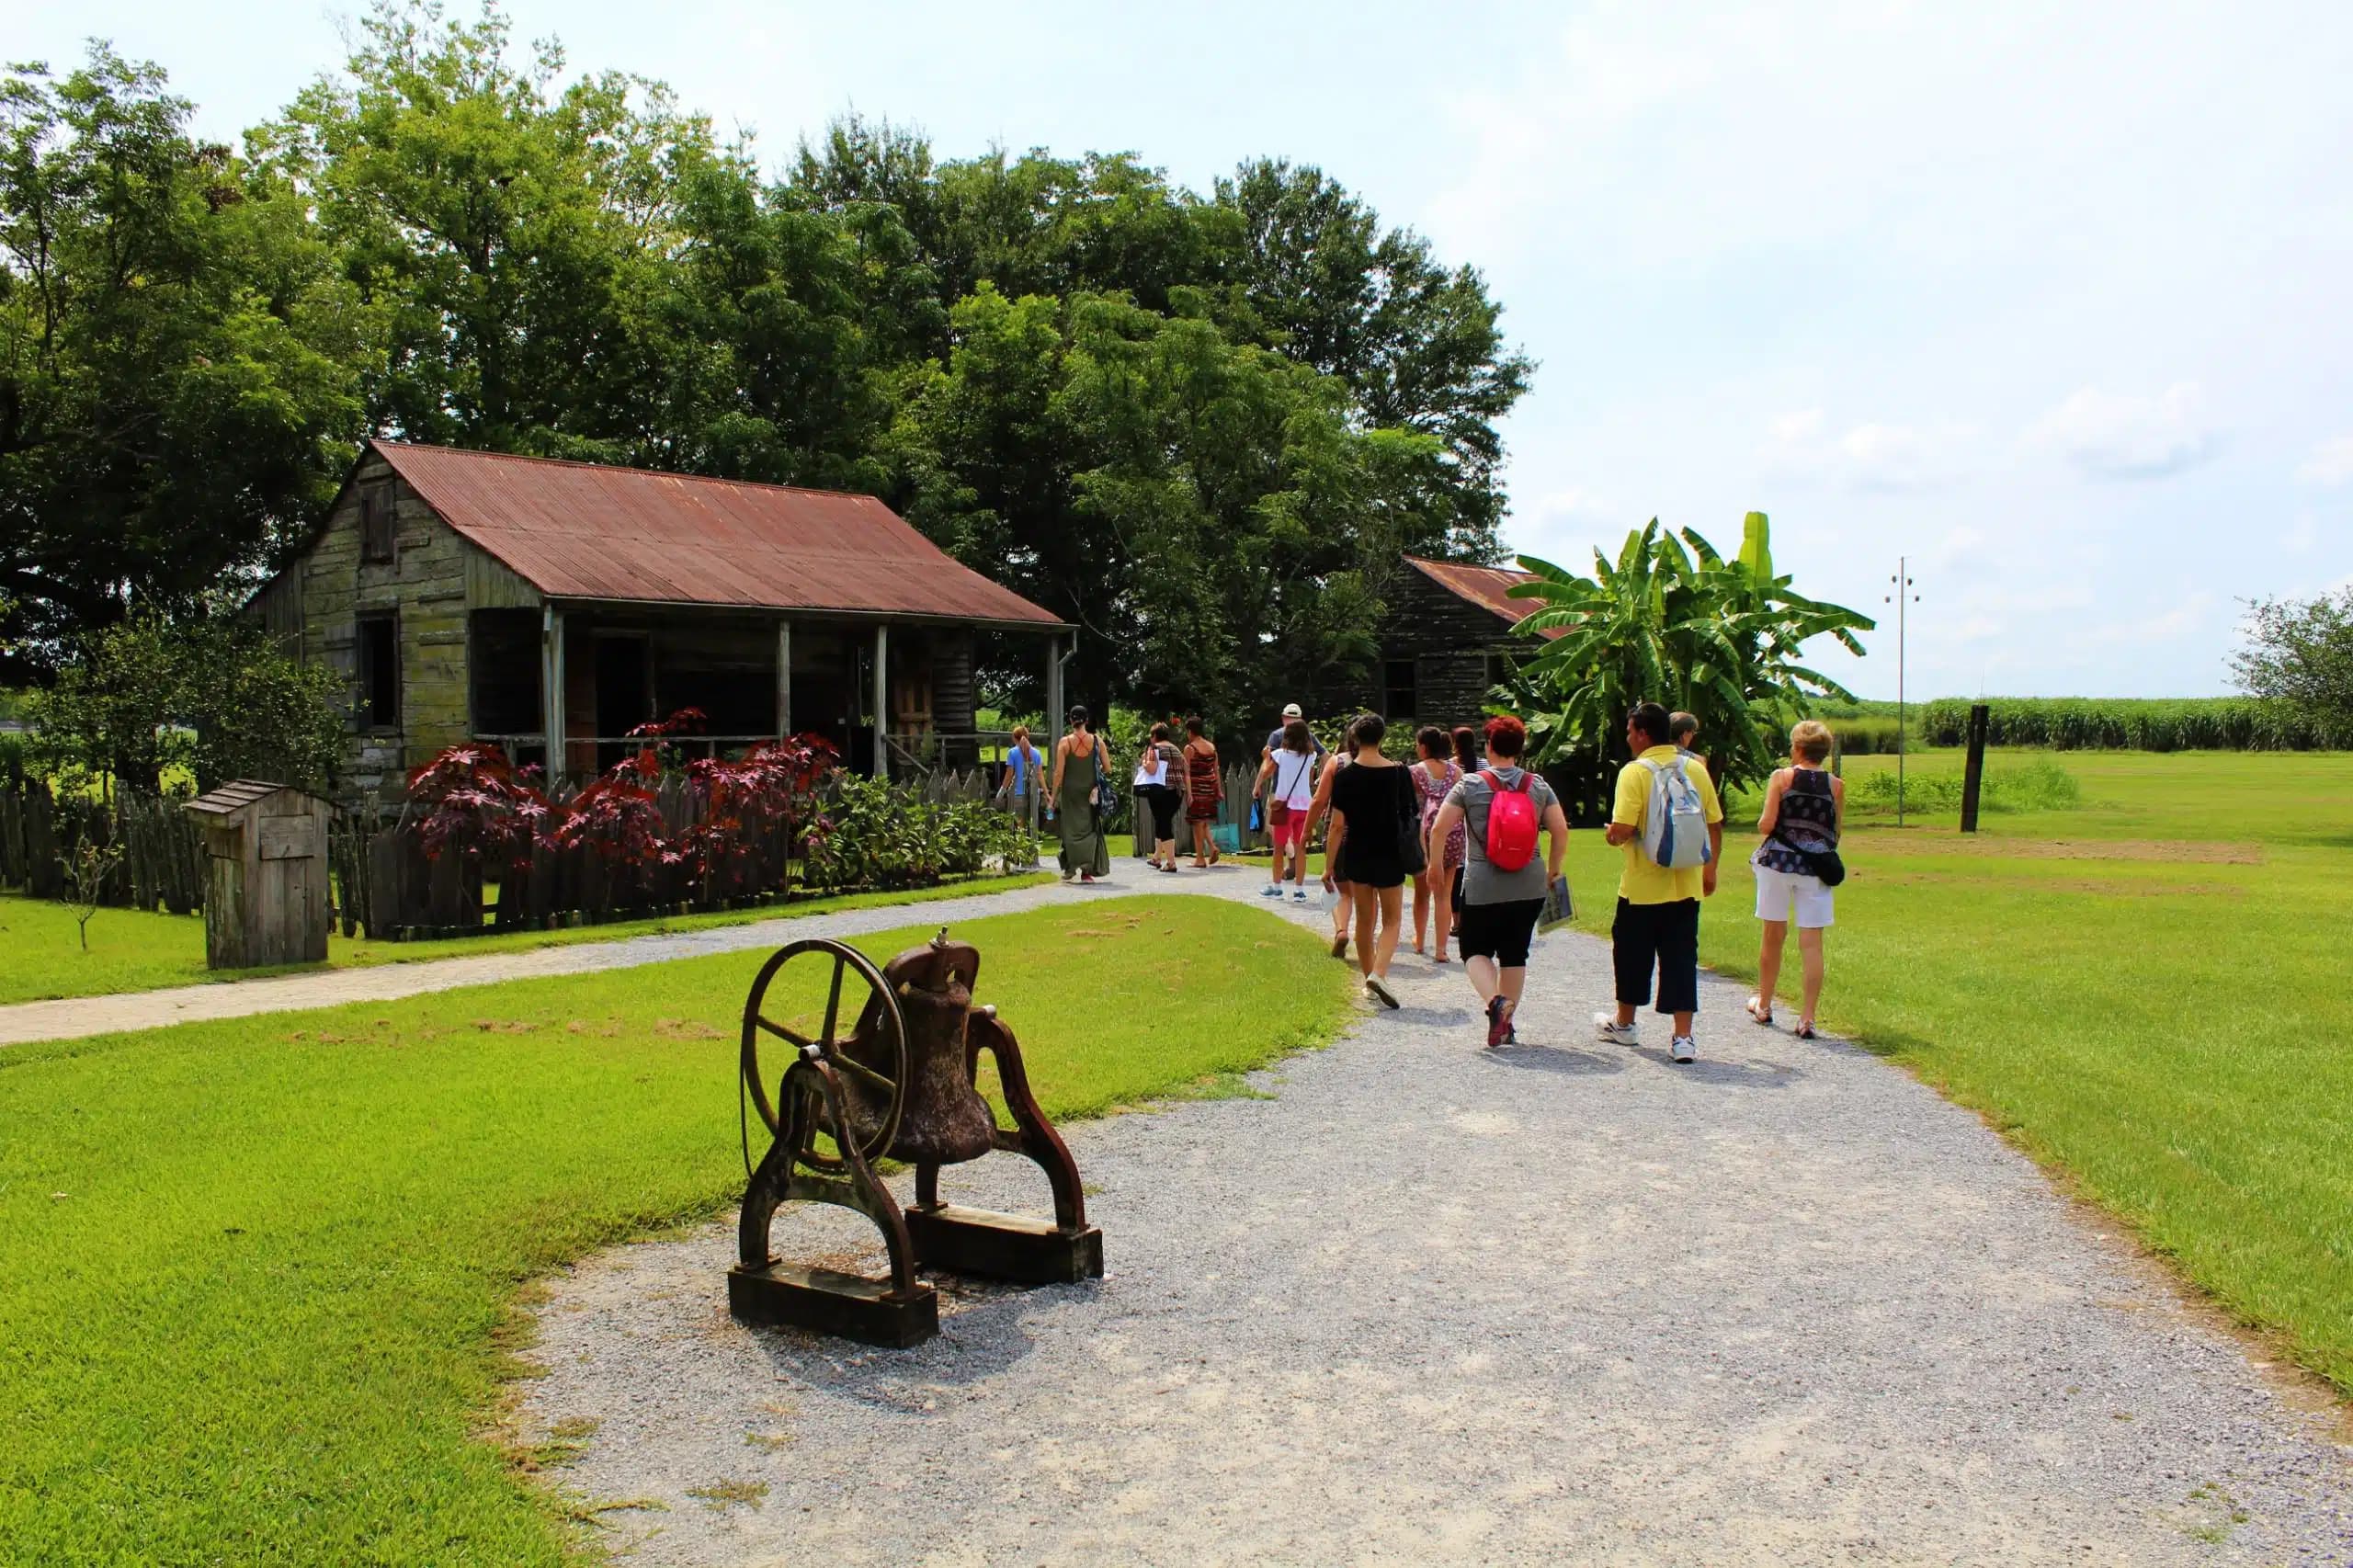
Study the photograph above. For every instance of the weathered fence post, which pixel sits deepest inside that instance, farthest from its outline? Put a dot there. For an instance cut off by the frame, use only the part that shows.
(1972, 776)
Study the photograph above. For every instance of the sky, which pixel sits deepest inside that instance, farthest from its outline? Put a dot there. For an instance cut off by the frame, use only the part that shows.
(2048, 300)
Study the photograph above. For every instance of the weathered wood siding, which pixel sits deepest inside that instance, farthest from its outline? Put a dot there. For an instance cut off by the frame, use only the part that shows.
(1453, 644)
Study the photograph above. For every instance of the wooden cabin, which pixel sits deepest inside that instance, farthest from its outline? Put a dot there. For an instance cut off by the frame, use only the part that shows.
(471, 596)
(1446, 639)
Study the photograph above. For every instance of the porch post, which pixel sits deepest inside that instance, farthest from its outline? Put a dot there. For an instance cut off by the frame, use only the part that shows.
(783, 680)
(551, 689)
(1053, 724)
(882, 701)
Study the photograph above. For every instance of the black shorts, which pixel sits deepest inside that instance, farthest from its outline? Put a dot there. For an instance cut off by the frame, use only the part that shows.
(1664, 936)
(1500, 931)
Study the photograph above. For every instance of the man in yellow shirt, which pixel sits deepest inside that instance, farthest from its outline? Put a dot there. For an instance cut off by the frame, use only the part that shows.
(1658, 906)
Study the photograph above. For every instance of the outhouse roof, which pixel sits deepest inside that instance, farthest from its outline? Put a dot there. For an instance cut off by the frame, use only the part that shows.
(1486, 586)
(236, 795)
(578, 530)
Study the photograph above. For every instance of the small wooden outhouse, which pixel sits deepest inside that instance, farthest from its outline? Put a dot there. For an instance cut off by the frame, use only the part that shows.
(266, 898)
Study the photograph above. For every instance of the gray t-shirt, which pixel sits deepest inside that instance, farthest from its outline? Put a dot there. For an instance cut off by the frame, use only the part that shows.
(1482, 884)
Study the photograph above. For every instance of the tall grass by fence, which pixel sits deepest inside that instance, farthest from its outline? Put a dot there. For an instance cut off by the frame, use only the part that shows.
(2090, 723)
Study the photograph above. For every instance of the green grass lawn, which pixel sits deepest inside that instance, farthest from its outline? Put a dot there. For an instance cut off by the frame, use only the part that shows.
(42, 956)
(2147, 991)
(254, 1276)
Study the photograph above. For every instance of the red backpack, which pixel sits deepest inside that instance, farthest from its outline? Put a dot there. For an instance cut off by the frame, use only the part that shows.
(1511, 823)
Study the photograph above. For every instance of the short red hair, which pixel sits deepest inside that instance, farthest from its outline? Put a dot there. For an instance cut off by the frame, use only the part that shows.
(1506, 736)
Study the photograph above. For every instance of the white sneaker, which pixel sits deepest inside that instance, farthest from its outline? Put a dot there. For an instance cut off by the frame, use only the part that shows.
(1612, 1030)
(1683, 1048)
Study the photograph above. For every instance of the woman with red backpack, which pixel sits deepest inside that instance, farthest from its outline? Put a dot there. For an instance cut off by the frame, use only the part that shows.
(1505, 806)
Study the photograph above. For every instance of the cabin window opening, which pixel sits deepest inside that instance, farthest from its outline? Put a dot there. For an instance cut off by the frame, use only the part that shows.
(1399, 694)
(377, 541)
(380, 672)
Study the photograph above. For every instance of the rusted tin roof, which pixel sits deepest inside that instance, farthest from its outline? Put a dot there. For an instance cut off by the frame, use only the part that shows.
(579, 530)
(1486, 586)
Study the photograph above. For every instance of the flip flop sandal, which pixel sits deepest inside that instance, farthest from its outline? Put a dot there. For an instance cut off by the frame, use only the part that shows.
(1764, 1018)
(1805, 1030)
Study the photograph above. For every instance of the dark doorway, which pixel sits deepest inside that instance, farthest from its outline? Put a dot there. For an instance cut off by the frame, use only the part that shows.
(624, 694)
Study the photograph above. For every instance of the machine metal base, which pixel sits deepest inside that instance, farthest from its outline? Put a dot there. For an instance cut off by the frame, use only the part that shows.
(1003, 1247)
(790, 1296)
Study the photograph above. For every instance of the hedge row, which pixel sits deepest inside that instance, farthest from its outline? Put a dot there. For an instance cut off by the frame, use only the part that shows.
(2096, 723)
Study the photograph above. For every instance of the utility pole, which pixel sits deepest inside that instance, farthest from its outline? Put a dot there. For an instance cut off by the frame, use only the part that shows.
(1901, 596)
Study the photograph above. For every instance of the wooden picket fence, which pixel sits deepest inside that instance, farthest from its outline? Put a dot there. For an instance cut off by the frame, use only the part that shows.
(163, 852)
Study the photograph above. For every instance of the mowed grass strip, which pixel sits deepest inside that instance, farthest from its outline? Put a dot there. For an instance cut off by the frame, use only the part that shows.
(2147, 991)
(42, 956)
(253, 1274)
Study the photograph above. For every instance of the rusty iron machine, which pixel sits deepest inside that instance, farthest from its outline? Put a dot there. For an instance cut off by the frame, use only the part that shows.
(901, 1084)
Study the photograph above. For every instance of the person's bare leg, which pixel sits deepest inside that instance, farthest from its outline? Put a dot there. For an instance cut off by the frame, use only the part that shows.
(1625, 1014)
(1768, 960)
(1421, 911)
(1513, 983)
(1682, 1023)
(1367, 901)
(1393, 909)
(1485, 979)
(1442, 910)
(1810, 959)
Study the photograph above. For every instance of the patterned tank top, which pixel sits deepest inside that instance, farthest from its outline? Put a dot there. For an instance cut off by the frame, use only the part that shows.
(1809, 818)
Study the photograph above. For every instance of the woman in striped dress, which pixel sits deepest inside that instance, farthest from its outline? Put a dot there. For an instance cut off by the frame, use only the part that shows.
(1204, 794)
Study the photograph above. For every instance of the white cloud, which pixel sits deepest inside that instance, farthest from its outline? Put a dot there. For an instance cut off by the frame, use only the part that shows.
(2330, 463)
(1872, 456)
(2120, 436)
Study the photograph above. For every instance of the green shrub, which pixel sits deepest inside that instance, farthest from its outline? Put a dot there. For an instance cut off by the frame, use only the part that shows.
(2088, 724)
(2037, 786)
(875, 834)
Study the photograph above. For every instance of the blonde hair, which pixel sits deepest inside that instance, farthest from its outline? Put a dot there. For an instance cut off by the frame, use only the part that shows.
(1020, 732)
(1810, 739)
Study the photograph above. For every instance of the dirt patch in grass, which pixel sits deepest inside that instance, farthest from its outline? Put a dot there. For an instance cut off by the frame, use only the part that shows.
(2195, 851)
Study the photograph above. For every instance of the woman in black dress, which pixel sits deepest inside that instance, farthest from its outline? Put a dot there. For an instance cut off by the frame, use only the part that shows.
(1375, 811)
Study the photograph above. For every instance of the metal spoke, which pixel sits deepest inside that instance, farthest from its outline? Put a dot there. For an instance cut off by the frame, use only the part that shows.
(863, 1073)
(834, 1004)
(784, 1033)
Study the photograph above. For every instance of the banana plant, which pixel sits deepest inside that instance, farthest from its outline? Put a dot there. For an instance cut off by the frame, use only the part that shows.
(1672, 620)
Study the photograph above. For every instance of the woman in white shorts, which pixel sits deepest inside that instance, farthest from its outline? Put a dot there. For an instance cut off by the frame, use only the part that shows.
(1805, 805)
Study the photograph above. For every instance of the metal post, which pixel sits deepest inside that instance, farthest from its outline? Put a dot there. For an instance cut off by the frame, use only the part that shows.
(882, 701)
(783, 680)
(1902, 598)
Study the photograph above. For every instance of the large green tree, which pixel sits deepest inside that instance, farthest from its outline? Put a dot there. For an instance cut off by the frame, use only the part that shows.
(1203, 510)
(180, 366)
(517, 233)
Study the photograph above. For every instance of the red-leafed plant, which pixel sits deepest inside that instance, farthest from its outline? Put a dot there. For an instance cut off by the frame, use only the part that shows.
(752, 805)
(620, 819)
(471, 802)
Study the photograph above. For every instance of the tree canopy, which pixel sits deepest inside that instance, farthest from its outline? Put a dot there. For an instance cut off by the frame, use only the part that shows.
(1199, 426)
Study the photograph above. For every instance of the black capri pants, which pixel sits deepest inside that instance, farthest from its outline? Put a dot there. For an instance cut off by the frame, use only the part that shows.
(1665, 936)
(1163, 799)
(1500, 931)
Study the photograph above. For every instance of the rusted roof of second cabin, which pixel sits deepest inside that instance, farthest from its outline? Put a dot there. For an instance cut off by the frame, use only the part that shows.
(1489, 587)
(579, 530)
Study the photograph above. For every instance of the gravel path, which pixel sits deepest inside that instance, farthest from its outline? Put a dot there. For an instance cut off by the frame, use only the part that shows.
(75, 1017)
(1564, 1303)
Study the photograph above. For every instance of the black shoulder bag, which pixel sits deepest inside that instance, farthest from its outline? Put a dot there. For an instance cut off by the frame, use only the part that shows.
(1823, 865)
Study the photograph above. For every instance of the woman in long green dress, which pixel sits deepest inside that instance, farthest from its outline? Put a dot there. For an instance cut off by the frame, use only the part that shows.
(1079, 759)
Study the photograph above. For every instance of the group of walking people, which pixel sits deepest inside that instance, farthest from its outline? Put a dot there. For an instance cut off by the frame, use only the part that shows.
(1461, 825)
